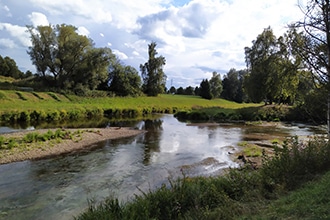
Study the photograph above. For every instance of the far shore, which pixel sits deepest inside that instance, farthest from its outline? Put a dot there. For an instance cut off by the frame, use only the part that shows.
(87, 140)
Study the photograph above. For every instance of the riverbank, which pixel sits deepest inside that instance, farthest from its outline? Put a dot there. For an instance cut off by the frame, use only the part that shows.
(79, 140)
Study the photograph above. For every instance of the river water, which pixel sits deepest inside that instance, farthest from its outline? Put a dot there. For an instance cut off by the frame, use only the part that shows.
(60, 187)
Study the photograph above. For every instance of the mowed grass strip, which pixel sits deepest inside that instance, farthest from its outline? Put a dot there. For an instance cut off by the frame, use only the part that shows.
(179, 102)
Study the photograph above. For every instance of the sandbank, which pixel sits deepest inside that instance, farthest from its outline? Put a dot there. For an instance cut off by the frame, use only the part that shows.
(86, 140)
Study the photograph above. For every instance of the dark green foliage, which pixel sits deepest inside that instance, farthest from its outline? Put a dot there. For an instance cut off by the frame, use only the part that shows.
(205, 89)
(2, 141)
(8, 67)
(154, 78)
(125, 81)
(233, 86)
(296, 163)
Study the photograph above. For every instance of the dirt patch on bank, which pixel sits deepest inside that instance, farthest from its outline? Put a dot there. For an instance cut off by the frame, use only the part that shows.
(83, 140)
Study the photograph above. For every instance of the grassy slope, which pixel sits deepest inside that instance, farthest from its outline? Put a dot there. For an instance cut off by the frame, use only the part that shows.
(13, 100)
(312, 201)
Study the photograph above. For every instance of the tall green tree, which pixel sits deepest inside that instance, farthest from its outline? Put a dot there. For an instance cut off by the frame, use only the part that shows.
(233, 86)
(314, 47)
(8, 67)
(154, 78)
(125, 81)
(215, 85)
(271, 74)
(65, 59)
(205, 89)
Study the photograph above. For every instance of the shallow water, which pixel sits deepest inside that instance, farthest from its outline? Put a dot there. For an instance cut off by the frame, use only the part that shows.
(59, 188)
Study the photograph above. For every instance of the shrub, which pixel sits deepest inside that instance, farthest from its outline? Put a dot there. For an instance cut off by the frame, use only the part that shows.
(94, 113)
(53, 116)
(12, 143)
(2, 142)
(63, 114)
(31, 137)
(24, 116)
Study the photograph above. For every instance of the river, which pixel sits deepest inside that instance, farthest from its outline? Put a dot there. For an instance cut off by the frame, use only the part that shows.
(60, 187)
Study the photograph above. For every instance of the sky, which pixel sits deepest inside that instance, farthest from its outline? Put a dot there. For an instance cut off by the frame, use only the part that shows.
(196, 37)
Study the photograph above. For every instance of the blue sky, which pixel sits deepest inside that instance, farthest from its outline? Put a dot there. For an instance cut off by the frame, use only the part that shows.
(196, 37)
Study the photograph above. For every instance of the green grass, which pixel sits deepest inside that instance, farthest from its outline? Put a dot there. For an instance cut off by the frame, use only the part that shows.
(51, 104)
(312, 201)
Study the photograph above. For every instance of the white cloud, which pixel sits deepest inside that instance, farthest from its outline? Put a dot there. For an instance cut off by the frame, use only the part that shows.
(120, 55)
(38, 19)
(83, 31)
(88, 10)
(7, 43)
(17, 32)
(101, 34)
(5, 10)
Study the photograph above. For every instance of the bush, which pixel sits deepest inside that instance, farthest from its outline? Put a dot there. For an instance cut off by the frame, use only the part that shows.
(53, 116)
(24, 116)
(31, 137)
(2, 142)
(297, 162)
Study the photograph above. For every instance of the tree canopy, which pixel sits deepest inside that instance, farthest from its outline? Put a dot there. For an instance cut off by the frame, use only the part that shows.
(8, 67)
(124, 80)
(154, 78)
(215, 85)
(312, 44)
(65, 59)
(271, 74)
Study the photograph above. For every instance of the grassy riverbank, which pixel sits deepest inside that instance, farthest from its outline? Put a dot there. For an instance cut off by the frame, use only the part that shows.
(40, 106)
(291, 185)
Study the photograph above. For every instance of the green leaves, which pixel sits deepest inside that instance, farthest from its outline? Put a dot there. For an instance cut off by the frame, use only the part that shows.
(154, 78)
(66, 60)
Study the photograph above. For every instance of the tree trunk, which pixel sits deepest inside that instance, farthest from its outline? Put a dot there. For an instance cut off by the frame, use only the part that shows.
(328, 115)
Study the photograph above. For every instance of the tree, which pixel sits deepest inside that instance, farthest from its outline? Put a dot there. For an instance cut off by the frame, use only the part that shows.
(154, 78)
(189, 90)
(272, 76)
(215, 85)
(8, 67)
(230, 85)
(172, 90)
(205, 89)
(125, 81)
(197, 91)
(314, 48)
(65, 59)
(180, 91)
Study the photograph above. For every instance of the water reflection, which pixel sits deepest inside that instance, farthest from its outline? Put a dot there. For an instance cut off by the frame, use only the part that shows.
(58, 188)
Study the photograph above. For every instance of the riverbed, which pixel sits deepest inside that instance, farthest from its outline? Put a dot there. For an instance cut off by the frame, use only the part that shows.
(60, 187)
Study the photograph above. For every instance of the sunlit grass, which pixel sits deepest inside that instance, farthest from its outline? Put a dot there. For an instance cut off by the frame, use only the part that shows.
(51, 101)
